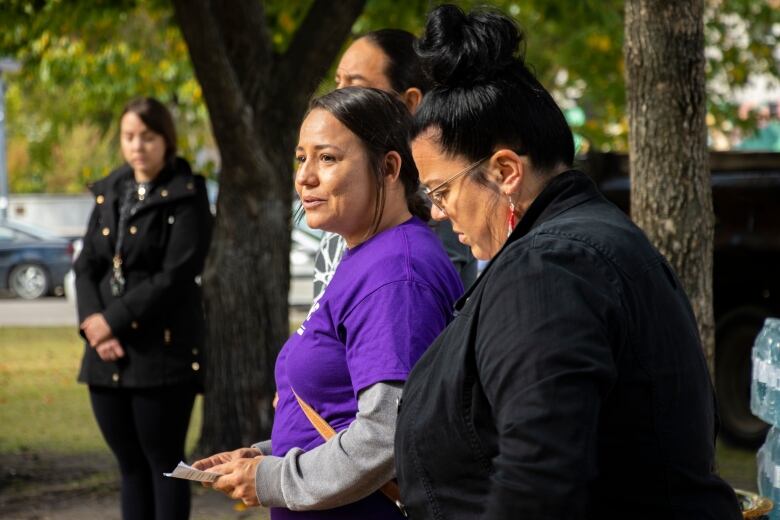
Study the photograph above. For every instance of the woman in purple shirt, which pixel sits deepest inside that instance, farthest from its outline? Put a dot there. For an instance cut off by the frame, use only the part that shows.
(389, 298)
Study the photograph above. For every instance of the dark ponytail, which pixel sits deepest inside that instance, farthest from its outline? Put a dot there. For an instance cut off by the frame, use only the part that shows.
(382, 122)
(457, 49)
(483, 94)
(418, 206)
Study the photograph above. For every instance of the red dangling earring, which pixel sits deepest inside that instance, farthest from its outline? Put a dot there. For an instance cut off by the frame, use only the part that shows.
(511, 220)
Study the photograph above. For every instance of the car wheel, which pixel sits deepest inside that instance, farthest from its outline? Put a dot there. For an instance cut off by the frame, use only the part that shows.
(29, 281)
(735, 335)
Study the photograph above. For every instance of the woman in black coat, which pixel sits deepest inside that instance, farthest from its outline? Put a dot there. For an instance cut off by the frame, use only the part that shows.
(571, 383)
(139, 305)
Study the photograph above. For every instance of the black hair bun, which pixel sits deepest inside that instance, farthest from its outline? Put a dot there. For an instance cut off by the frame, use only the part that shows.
(462, 49)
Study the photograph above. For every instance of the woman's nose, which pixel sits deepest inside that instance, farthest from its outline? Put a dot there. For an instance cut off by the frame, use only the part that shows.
(437, 213)
(304, 175)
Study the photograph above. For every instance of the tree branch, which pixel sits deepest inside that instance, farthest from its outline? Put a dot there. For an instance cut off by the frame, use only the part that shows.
(247, 43)
(232, 117)
(311, 52)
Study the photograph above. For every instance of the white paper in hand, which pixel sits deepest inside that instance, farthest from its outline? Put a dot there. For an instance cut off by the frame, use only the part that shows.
(187, 472)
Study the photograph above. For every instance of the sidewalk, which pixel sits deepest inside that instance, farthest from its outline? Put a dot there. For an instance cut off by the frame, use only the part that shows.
(45, 312)
(206, 505)
(59, 312)
(47, 486)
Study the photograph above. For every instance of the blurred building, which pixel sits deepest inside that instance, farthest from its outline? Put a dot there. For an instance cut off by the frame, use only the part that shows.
(66, 215)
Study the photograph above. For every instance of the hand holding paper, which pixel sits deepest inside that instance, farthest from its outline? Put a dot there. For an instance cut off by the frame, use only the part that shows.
(237, 479)
(235, 473)
(225, 456)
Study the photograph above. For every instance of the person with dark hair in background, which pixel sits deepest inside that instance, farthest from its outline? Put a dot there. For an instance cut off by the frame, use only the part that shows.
(571, 383)
(139, 306)
(385, 59)
(389, 298)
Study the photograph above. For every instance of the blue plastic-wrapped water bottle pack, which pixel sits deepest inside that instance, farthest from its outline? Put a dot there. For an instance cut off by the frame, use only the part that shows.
(765, 383)
(765, 404)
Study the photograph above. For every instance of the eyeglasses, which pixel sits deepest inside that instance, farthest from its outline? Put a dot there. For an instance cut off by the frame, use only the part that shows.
(437, 194)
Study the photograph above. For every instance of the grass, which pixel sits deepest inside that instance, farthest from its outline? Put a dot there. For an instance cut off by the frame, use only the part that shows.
(55, 462)
(42, 407)
(44, 410)
(737, 466)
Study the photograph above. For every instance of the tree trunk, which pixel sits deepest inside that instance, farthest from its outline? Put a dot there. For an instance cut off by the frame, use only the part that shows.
(671, 196)
(255, 99)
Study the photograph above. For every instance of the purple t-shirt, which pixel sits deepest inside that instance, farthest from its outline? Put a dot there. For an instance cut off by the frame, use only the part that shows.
(388, 300)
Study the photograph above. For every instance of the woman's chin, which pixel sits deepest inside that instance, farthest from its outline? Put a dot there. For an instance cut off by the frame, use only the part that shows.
(480, 253)
(311, 219)
(315, 221)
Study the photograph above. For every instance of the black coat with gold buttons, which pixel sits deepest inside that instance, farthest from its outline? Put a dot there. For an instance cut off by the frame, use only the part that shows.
(158, 319)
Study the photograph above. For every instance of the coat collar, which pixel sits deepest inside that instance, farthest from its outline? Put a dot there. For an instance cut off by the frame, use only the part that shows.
(174, 182)
(563, 192)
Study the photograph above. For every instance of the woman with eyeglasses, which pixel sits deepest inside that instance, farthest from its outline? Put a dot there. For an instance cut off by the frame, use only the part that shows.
(571, 383)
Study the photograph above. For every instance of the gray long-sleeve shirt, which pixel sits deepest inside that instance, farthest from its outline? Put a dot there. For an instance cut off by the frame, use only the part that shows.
(350, 466)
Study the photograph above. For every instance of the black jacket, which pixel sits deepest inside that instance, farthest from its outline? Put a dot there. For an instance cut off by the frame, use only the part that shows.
(159, 318)
(570, 385)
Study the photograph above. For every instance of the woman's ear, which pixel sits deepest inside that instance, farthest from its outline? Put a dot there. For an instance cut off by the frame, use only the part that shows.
(509, 170)
(392, 165)
(412, 98)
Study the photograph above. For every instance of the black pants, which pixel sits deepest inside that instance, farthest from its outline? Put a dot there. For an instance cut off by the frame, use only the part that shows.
(146, 429)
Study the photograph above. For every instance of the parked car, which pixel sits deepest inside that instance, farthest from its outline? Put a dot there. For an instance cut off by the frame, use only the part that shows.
(33, 260)
(746, 284)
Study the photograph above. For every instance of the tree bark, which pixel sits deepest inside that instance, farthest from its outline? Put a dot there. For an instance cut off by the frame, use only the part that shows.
(671, 195)
(254, 118)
